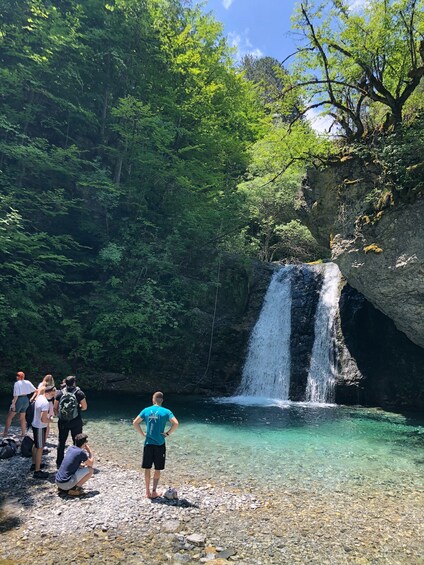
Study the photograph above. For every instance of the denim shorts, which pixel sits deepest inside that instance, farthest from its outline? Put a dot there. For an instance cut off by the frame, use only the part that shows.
(21, 404)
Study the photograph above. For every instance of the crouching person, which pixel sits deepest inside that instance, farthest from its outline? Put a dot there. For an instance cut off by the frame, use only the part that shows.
(76, 467)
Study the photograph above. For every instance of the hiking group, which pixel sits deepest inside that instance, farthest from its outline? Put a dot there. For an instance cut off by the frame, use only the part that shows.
(75, 466)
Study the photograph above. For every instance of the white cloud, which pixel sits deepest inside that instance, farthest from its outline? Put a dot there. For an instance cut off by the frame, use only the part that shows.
(320, 122)
(356, 5)
(243, 44)
(227, 3)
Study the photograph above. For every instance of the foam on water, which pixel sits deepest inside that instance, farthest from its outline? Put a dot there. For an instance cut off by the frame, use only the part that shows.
(264, 401)
(243, 400)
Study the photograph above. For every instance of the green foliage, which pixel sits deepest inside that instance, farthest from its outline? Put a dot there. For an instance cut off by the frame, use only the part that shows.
(130, 327)
(134, 155)
(398, 158)
(124, 130)
(361, 63)
(270, 189)
(402, 158)
(271, 78)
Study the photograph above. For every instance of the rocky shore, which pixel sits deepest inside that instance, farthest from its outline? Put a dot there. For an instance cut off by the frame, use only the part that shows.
(115, 524)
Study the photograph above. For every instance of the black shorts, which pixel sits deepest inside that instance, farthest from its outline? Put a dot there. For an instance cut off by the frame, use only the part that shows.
(154, 455)
(39, 437)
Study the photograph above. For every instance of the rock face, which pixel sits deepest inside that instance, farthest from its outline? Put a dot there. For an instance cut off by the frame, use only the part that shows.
(232, 332)
(378, 364)
(382, 256)
(220, 343)
(306, 284)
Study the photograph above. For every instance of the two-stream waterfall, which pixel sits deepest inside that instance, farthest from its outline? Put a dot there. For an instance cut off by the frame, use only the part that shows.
(268, 366)
(266, 372)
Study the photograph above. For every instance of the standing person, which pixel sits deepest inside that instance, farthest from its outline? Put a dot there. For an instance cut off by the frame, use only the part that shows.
(21, 389)
(39, 428)
(69, 403)
(47, 381)
(76, 467)
(154, 452)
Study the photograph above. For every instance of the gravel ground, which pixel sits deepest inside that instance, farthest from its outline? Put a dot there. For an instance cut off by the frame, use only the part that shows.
(114, 523)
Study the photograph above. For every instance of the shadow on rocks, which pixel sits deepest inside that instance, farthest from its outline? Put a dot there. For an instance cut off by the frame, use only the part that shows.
(87, 494)
(18, 490)
(181, 502)
(7, 520)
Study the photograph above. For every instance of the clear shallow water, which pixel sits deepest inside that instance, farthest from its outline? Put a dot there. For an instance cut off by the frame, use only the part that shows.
(286, 445)
(271, 444)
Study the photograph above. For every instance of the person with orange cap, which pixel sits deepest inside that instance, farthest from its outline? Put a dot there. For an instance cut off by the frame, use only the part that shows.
(21, 389)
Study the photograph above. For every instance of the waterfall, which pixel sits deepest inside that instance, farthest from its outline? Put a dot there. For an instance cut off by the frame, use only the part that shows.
(266, 372)
(323, 367)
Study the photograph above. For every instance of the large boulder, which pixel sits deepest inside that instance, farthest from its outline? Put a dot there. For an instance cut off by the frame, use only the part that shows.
(380, 254)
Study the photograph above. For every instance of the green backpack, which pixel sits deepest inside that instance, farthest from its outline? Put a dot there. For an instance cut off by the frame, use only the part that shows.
(68, 406)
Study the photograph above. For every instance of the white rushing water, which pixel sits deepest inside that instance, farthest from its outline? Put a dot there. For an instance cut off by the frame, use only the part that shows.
(323, 367)
(266, 373)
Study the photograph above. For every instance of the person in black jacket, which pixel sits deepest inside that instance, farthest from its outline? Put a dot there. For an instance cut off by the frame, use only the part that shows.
(66, 425)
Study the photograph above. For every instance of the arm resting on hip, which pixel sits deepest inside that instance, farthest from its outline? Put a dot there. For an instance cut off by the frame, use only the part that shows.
(137, 426)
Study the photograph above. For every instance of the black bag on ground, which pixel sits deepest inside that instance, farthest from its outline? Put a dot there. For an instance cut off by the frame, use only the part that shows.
(8, 448)
(26, 446)
(29, 414)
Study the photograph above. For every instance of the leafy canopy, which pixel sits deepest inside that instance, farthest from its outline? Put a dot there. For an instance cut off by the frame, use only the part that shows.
(360, 62)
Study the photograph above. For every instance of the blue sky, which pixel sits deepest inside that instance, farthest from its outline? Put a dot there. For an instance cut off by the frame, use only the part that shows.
(259, 27)
(263, 28)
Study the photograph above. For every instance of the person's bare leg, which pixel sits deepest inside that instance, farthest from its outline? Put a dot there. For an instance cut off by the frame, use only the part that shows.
(156, 477)
(22, 421)
(85, 477)
(9, 419)
(38, 456)
(147, 481)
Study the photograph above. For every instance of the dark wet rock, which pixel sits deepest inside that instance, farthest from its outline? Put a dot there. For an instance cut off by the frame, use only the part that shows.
(381, 366)
(306, 284)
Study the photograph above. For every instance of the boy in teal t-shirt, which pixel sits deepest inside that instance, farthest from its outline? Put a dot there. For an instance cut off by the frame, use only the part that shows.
(154, 452)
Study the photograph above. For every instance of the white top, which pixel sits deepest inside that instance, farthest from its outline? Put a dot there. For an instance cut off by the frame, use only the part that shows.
(23, 387)
(51, 404)
(41, 405)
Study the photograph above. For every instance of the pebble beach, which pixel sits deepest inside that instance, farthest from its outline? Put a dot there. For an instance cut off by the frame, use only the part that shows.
(114, 522)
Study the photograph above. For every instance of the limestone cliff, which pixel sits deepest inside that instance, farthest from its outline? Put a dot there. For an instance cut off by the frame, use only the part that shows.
(381, 254)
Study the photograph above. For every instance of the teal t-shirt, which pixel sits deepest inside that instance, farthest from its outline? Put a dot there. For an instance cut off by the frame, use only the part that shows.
(155, 418)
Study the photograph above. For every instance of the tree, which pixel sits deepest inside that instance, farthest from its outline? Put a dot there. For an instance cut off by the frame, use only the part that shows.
(125, 127)
(355, 59)
(270, 189)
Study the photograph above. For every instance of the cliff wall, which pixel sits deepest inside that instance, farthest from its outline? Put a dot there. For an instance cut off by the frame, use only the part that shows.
(381, 254)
